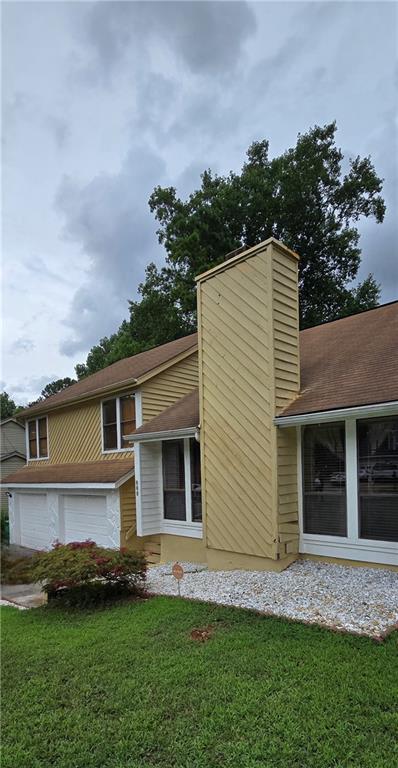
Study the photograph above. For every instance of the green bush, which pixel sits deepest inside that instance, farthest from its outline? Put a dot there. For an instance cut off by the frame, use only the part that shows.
(82, 573)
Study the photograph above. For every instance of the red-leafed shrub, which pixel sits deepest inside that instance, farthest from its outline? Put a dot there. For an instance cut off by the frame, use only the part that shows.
(81, 572)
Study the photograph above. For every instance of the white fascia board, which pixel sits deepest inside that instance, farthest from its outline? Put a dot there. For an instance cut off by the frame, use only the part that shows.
(359, 412)
(155, 436)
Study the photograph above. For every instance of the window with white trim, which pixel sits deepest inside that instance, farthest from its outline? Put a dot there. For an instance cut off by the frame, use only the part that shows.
(324, 479)
(37, 438)
(182, 500)
(378, 478)
(118, 420)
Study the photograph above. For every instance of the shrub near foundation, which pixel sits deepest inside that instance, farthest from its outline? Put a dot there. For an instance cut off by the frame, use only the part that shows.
(82, 573)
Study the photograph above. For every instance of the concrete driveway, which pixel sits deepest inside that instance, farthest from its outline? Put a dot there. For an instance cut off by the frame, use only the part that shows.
(21, 595)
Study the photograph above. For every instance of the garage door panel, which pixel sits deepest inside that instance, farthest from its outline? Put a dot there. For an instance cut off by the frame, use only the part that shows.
(85, 518)
(34, 521)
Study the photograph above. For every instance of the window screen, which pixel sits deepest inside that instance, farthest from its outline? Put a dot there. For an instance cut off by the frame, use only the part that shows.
(109, 425)
(127, 417)
(324, 481)
(42, 437)
(378, 478)
(32, 439)
(174, 480)
(196, 489)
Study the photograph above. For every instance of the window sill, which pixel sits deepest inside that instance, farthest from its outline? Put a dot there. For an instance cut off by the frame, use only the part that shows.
(182, 528)
(118, 450)
(38, 458)
(385, 552)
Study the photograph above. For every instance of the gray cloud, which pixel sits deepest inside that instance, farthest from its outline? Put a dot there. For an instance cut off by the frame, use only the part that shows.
(30, 387)
(206, 36)
(22, 344)
(60, 130)
(110, 220)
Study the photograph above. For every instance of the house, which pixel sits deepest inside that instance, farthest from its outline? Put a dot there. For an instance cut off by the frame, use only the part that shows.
(79, 479)
(12, 451)
(281, 444)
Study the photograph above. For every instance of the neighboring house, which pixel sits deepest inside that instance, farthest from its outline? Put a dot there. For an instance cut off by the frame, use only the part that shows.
(12, 451)
(288, 446)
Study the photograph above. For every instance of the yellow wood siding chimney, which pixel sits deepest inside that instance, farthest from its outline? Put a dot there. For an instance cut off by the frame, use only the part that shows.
(249, 370)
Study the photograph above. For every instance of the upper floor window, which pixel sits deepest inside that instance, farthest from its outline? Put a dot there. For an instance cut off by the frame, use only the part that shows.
(118, 420)
(37, 438)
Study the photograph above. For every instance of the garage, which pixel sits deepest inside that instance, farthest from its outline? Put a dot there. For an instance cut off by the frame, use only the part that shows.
(34, 520)
(85, 518)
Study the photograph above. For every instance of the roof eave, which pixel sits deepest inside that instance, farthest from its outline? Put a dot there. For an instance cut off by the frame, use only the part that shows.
(358, 411)
(111, 388)
(167, 434)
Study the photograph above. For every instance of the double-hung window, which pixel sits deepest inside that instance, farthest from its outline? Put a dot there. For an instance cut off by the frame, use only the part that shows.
(37, 438)
(182, 500)
(118, 420)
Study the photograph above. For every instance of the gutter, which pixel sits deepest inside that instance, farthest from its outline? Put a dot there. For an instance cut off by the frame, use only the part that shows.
(168, 434)
(357, 412)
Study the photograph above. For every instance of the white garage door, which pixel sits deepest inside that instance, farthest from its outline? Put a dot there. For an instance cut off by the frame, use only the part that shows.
(35, 523)
(85, 518)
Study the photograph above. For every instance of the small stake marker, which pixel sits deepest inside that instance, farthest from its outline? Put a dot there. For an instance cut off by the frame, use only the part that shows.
(178, 573)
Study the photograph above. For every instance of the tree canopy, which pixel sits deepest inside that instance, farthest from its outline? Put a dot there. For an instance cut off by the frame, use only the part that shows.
(8, 408)
(302, 197)
(56, 386)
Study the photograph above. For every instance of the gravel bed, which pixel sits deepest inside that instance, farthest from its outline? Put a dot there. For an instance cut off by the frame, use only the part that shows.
(13, 605)
(362, 601)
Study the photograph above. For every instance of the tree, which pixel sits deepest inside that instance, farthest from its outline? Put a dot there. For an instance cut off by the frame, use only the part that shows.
(7, 406)
(56, 386)
(301, 198)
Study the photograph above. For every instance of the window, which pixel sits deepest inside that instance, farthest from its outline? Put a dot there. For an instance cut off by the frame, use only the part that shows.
(377, 441)
(196, 489)
(181, 481)
(118, 420)
(324, 480)
(37, 438)
(174, 480)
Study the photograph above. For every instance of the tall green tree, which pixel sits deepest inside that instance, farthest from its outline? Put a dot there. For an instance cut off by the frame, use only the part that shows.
(56, 386)
(302, 197)
(8, 407)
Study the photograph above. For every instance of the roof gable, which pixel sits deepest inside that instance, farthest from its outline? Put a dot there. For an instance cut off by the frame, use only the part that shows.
(127, 371)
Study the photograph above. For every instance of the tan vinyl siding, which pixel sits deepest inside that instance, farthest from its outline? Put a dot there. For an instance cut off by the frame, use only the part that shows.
(288, 527)
(169, 386)
(236, 383)
(249, 362)
(74, 435)
(285, 330)
(127, 511)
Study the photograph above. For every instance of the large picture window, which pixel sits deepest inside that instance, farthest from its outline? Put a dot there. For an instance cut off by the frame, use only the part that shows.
(118, 420)
(182, 500)
(37, 438)
(378, 478)
(324, 480)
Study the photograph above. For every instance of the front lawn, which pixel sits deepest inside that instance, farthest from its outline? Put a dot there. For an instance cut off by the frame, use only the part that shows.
(128, 687)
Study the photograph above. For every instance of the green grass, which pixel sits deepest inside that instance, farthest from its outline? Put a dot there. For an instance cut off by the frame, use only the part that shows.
(127, 688)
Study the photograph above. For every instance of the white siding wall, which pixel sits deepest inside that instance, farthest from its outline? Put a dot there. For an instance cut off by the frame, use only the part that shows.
(148, 458)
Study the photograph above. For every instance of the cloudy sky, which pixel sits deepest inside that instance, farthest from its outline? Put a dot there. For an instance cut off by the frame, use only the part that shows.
(103, 101)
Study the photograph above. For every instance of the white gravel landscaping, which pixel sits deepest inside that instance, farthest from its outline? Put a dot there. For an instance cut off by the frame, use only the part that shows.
(362, 601)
